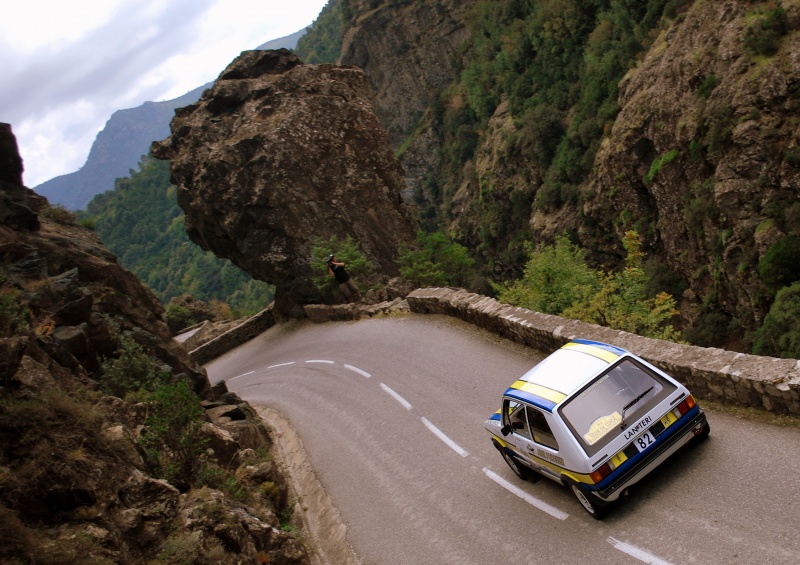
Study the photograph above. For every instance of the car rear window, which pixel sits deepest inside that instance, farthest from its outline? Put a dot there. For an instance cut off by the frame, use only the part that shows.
(596, 413)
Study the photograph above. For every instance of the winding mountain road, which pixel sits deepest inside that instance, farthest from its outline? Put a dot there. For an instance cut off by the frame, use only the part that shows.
(390, 412)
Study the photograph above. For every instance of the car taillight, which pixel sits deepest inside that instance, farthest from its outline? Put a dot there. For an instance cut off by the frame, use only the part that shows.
(684, 406)
(600, 473)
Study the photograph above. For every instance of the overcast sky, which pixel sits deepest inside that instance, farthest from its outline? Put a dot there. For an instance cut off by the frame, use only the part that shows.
(66, 66)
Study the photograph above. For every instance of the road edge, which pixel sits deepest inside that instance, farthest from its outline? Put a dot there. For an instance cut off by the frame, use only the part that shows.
(322, 520)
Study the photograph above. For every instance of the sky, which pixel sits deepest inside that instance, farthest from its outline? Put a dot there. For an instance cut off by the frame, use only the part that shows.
(66, 66)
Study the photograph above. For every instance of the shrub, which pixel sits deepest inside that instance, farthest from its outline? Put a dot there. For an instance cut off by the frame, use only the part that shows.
(713, 328)
(172, 438)
(178, 317)
(658, 164)
(131, 371)
(554, 278)
(13, 315)
(708, 85)
(620, 301)
(779, 336)
(763, 35)
(58, 213)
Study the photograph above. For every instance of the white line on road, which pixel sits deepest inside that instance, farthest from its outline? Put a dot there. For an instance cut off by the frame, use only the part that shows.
(281, 365)
(240, 376)
(440, 434)
(543, 506)
(364, 374)
(397, 397)
(637, 553)
(320, 361)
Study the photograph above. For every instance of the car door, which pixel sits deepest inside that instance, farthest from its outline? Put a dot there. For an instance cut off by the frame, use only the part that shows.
(531, 435)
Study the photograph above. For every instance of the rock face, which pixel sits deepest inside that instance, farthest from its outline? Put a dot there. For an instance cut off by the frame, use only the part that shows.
(278, 154)
(410, 53)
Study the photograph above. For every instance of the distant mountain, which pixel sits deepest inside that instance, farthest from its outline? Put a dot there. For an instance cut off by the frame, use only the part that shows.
(127, 136)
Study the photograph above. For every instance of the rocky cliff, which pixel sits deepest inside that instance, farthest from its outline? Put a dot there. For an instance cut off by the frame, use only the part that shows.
(279, 154)
(702, 153)
(76, 483)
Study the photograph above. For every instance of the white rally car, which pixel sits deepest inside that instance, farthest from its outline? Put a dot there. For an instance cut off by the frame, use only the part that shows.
(597, 419)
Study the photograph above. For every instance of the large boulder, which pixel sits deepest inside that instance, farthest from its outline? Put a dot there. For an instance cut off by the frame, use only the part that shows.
(279, 154)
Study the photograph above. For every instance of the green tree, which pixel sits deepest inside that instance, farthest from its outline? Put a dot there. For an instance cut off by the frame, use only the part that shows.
(780, 334)
(780, 266)
(558, 281)
(435, 260)
(322, 42)
(554, 279)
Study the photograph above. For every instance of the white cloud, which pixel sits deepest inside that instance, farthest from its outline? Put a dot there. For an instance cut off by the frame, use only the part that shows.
(67, 66)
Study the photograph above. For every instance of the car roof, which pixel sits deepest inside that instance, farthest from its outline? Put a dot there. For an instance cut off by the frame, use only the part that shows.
(563, 372)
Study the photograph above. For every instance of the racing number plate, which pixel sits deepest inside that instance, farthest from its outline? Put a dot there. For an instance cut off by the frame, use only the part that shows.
(644, 441)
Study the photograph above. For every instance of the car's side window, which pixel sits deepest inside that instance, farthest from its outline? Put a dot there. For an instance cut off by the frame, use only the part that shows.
(541, 429)
(516, 418)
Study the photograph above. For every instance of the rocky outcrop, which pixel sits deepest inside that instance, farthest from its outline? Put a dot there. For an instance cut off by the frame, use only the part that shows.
(279, 154)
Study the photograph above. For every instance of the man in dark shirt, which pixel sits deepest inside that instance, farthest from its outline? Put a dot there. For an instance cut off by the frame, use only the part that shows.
(346, 285)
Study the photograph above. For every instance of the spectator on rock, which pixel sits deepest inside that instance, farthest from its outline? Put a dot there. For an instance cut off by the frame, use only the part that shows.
(346, 285)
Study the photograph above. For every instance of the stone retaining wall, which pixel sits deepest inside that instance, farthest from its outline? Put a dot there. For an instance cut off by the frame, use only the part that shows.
(715, 374)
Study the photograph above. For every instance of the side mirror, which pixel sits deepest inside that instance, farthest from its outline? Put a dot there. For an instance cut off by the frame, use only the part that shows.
(505, 430)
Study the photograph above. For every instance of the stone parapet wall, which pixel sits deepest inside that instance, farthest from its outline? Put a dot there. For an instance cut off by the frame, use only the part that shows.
(247, 330)
(715, 374)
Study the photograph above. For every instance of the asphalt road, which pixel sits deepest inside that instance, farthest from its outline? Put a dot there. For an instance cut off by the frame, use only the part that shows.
(391, 411)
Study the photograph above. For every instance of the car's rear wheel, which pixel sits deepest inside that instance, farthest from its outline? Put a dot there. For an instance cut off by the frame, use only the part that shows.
(702, 435)
(519, 469)
(588, 501)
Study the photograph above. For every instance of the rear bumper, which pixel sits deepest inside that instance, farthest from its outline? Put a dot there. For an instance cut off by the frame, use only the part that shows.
(652, 459)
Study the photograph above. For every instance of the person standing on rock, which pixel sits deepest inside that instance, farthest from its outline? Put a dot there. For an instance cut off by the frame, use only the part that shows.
(346, 285)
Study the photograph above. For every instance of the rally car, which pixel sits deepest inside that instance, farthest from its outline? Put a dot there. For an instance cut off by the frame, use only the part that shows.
(596, 418)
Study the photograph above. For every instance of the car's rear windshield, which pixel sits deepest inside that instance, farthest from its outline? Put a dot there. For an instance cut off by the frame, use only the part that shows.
(628, 389)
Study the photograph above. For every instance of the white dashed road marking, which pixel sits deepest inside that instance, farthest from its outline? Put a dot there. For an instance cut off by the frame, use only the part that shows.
(543, 506)
(397, 397)
(281, 365)
(364, 374)
(637, 553)
(242, 375)
(449, 442)
(320, 361)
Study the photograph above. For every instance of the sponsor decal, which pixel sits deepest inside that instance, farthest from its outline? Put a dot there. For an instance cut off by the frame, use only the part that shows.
(631, 432)
(550, 457)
